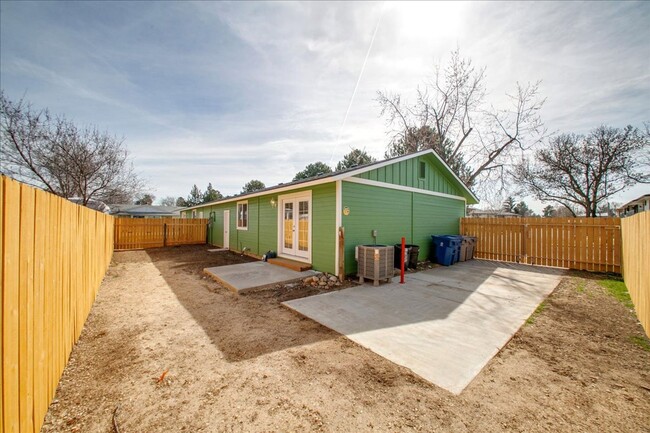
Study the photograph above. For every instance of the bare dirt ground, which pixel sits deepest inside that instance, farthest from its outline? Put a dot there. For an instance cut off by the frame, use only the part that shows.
(240, 364)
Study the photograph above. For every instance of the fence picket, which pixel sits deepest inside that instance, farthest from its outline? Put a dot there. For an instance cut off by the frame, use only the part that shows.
(54, 255)
(140, 233)
(636, 256)
(591, 244)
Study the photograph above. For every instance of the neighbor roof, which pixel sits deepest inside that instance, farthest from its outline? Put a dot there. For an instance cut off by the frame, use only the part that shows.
(343, 174)
(632, 202)
(144, 210)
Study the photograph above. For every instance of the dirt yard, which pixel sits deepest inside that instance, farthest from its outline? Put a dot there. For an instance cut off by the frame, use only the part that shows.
(240, 364)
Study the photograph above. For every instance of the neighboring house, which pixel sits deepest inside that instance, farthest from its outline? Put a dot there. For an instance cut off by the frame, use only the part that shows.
(491, 213)
(635, 206)
(97, 205)
(414, 196)
(144, 211)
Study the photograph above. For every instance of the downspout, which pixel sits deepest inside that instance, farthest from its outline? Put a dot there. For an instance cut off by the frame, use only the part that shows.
(412, 212)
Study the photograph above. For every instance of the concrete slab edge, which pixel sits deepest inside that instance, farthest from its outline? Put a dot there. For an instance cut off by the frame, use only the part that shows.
(248, 289)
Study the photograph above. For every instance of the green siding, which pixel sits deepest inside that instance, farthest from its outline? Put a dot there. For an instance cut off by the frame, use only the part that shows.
(395, 214)
(373, 208)
(434, 216)
(406, 173)
(323, 233)
(262, 233)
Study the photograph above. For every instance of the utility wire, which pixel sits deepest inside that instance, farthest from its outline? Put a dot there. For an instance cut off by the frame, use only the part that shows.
(363, 67)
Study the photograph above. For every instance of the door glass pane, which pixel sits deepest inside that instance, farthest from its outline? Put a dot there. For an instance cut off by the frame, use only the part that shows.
(288, 225)
(303, 225)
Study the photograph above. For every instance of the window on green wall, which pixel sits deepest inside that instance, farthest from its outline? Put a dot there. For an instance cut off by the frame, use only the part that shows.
(423, 169)
(242, 215)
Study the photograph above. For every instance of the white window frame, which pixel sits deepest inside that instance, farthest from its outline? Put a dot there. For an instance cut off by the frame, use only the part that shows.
(245, 202)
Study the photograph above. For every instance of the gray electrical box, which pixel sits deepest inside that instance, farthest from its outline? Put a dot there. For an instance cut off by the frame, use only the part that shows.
(374, 233)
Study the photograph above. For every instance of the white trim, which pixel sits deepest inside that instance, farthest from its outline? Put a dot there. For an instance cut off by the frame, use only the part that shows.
(403, 188)
(242, 228)
(344, 176)
(272, 191)
(295, 197)
(339, 223)
(226, 229)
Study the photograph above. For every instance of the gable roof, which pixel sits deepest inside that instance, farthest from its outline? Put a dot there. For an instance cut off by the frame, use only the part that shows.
(635, 201)
(344, 174)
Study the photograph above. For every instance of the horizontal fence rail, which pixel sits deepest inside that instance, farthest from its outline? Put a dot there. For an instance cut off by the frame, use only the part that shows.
(141, 233)
(54, 255)
(592, 244)
(636, 263)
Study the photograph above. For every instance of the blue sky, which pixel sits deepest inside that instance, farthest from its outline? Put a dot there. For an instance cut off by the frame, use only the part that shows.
(228, 92)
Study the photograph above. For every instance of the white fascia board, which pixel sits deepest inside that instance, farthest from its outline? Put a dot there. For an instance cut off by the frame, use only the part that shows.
(268, 192)
(345, 176)
(404, 158)
(403, 188)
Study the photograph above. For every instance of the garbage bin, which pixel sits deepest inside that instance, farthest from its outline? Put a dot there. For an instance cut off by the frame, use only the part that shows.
(407, 255)
(454, 243)
(471, 245)
(413, 256)
(464, 246)
(441, 251)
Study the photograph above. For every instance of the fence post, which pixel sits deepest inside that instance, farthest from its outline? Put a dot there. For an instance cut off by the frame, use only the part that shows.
(524, 244)
(164, 234)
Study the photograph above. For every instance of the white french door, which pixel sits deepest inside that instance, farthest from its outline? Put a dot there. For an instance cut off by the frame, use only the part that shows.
(295, 226)
(226, 229)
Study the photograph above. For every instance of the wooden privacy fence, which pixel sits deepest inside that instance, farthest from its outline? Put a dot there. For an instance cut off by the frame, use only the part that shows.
(139, 233)
(592, 244)
(636, 264)
(54, 256)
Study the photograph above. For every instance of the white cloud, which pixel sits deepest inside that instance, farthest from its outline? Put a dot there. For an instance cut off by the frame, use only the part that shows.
(226, 92)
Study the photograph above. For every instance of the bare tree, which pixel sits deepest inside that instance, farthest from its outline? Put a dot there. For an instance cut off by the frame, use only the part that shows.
(168, 201)
(55, 154)
(145, 199)
(584, 171)
(469, 133)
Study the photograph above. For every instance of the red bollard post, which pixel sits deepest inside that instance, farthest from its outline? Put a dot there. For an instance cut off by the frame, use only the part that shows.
(401, 281)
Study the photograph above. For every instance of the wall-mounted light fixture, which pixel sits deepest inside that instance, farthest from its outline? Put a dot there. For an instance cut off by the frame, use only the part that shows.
(274, 204)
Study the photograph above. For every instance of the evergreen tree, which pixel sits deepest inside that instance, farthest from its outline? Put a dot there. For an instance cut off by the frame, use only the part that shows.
(549, 211)
(252, 186)
(195, 197)
(354, 158)
(509, 204)
(211, 194)
(313, 170)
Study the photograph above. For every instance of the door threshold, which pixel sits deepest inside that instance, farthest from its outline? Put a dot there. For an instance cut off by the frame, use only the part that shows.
(290, 264)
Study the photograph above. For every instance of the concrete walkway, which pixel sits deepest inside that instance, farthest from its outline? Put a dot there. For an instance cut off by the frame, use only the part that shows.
(254, 275)
(445, 324)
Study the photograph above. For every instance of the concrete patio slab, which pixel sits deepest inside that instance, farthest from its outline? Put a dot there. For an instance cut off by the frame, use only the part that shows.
(254, 275)
(445, 324)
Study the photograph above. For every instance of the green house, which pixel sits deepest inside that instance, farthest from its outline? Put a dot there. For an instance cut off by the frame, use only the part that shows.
(412, 196)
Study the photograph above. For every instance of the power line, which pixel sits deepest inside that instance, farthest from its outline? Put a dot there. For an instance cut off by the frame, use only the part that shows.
(363, 67)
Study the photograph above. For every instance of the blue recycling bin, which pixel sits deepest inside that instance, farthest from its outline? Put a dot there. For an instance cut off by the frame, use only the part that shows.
(440, 250)
(454, 243)
(445, 249)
